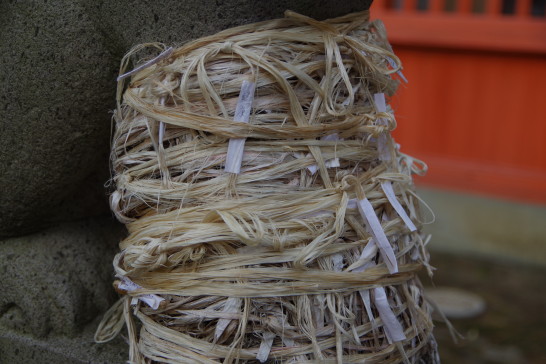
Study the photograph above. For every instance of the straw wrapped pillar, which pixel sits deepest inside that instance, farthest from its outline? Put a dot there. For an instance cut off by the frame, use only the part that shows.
(271, 216)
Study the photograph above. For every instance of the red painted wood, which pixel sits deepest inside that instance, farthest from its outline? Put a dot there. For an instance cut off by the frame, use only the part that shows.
(476, 114)
(409, 5)
(493, 7)
(472, 31)
(465, 176)
(523, 8)
(464, 6)
(468, 109)
(436, 6)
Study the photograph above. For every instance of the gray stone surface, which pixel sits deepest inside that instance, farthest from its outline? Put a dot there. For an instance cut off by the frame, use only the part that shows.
(16, 348)
(125, 23)
(58, 62)
(56, 281)
(55, 93)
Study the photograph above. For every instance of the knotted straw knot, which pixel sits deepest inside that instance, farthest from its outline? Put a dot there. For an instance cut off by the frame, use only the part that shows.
(164, 86)
(123, 180)
(226, 47)
(351, 182)
(385, 117)
(380, 129)
(117, 200)
(147, 255)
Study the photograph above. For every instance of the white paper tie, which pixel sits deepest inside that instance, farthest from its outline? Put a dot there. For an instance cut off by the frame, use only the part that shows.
(151, 300)
(236, 146)
(368, 214)
(265, 346)
(331, 163)
(366, 256)
(167, 52)
(382, 146)
(232, 305)
(399, 73)
(391, 196)
(393, 328)
(391, 325)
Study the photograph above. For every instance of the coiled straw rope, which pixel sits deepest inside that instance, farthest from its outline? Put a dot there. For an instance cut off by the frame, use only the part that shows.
(309, 252)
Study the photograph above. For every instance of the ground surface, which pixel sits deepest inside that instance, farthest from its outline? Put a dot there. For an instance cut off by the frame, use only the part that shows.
(513, 327)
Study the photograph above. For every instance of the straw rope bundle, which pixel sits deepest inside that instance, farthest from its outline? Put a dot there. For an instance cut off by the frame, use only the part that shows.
(270, 216)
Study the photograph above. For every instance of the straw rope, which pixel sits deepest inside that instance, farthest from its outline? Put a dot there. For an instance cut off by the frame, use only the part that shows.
(283, 262)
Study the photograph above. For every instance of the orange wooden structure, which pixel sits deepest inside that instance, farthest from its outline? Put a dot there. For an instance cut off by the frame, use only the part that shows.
(475, 106)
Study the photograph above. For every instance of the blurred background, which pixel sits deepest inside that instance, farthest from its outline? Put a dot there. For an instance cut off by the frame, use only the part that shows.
(474, 111)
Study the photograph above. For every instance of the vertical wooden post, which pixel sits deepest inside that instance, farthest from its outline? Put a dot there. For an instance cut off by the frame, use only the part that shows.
(523, 8)
(464, 6)
(436, 6)
(493, 8)
(409, 6)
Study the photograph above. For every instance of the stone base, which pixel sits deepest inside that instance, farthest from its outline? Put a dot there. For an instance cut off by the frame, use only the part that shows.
(17, 348)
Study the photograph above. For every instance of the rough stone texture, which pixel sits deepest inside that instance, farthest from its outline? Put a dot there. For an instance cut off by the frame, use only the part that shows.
(56, 281)
(58, 62)
(125, 23)
(16, 348)
(55, 93)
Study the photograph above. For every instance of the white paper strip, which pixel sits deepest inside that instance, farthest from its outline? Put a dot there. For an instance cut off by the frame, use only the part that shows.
(331, 138)
(365, 295)
(265, 346)
(368, 214)
(161, 126)
(365, 260)
(380, 103)
(382, 146)
(334, 162)
(167, 52)
(313, 169)
(399, 73)
(337, 260)
(392, 63)
(236, 146)
(391, 325)
(331, 163)
(161, 133)
(151, 300)
(367, 253)
(391, 196)
(232, 305)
